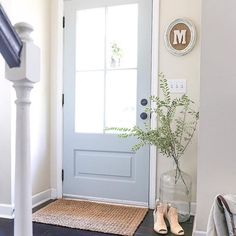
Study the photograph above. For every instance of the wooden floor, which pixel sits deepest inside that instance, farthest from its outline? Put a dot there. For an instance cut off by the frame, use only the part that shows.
(145, 229)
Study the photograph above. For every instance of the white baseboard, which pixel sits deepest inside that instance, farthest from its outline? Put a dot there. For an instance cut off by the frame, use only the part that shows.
(44, 196)
(40, 198)
(53, 193)
(6, 210)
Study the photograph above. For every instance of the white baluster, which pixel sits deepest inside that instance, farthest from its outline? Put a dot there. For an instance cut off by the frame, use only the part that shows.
(24, 78)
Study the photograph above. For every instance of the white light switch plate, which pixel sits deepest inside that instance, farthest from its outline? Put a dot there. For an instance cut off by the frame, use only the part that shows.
(177, 85)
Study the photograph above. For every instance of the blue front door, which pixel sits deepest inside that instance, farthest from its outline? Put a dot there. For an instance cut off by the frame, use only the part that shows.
(107, 72)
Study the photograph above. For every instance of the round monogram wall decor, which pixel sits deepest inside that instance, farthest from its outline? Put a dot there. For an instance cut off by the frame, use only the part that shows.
(180, 37)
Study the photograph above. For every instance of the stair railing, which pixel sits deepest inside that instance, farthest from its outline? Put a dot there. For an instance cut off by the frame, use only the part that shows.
(22, 58)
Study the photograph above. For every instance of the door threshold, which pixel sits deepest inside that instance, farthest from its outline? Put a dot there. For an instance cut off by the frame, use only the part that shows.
(106, 200)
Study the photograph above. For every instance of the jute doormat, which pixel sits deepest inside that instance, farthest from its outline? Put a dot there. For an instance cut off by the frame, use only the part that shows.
(106, 218)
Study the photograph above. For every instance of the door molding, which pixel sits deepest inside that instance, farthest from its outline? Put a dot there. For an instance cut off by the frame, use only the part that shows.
(56, 122)
(154, 91)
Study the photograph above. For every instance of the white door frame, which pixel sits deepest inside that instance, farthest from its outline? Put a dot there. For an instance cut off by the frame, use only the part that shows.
(56, 123)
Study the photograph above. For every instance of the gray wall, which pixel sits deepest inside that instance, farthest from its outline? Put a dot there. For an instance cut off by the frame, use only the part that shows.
(217, 136)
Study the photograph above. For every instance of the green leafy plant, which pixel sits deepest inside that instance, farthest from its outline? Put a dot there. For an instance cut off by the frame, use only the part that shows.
(116, 54)
(176, 124)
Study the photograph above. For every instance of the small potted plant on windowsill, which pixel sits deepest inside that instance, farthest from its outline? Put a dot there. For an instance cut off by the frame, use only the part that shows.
(176, 124)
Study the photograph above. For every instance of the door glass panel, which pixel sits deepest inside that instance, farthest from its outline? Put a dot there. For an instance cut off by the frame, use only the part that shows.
(90, 34)
(121, 98)
(122, 30)
(106, 68)
(89, 102)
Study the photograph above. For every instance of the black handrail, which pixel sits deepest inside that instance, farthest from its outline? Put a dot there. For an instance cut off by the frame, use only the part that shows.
(10, 43)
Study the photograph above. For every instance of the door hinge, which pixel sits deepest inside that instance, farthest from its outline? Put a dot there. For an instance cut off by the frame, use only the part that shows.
(62, 175)
(63, 22)
(62, 100)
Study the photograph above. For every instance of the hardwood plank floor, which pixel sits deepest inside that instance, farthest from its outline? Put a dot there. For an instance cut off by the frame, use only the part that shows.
(145, 229)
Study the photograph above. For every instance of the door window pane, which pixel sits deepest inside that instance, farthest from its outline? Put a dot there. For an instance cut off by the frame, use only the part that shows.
(106, 68)
(90, 39)
(89, 102)
(122, 31)
(121, 98)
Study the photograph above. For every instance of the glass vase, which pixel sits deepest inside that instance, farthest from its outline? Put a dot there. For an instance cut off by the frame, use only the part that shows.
(175, 189)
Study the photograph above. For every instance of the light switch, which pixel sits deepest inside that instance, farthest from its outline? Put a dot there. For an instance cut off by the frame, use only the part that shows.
(177, 85)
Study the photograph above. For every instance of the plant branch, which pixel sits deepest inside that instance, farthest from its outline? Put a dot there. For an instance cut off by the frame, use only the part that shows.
(183, 122)
(180, 174)
(190, 138)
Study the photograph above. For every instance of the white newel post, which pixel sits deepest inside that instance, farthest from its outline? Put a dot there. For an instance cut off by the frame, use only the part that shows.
(24, 78)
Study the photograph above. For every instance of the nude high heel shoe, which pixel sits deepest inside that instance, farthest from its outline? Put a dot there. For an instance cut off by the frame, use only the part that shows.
(159, 222)
(172, 216)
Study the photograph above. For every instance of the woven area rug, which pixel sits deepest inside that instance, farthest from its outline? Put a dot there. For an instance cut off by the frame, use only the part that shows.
(106, 218)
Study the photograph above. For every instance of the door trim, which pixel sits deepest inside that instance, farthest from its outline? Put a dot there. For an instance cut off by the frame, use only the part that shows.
(56, 122)
(154, 91)
(105, 200)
